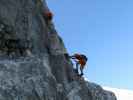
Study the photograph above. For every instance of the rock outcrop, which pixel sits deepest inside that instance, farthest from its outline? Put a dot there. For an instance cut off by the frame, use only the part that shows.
(32, 61)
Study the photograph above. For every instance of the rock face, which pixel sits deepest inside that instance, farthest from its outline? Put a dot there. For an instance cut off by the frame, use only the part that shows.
(32, 61)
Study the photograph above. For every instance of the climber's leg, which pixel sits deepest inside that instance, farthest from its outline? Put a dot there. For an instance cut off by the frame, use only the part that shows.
(77, 64)
(81, 69)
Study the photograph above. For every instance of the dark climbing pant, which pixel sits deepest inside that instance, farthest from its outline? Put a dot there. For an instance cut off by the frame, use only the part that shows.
(81, 68)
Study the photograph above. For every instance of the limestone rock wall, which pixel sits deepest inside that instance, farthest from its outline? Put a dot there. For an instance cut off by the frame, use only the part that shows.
(32, 61)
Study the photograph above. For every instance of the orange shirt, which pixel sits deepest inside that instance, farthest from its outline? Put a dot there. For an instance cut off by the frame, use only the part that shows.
(80, 59)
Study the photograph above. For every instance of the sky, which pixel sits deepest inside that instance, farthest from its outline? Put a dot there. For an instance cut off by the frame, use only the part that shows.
(102, 30)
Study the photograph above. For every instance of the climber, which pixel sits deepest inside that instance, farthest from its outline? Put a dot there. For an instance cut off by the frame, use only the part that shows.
(81, 60)
(48, 15)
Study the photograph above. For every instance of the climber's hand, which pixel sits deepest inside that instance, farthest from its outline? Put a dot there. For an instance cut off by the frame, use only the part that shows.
(66, 55)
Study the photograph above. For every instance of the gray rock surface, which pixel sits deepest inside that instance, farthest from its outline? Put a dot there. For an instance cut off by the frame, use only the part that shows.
(38, 69)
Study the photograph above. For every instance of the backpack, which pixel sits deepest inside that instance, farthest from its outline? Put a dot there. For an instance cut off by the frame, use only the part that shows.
(84, 57)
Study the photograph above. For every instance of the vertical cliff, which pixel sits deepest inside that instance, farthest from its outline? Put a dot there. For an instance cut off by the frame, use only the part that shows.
(32, 61)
